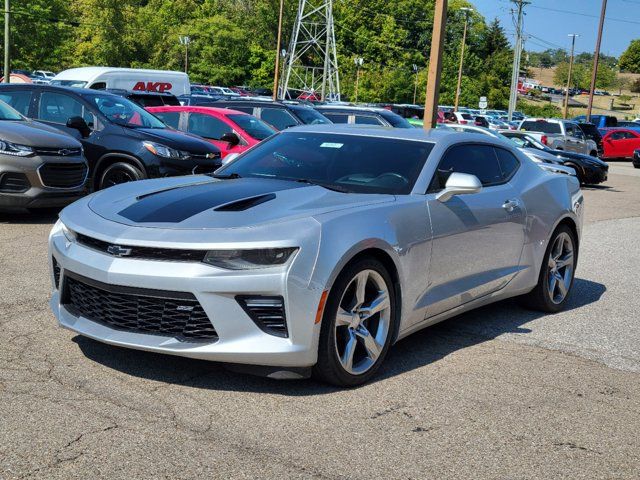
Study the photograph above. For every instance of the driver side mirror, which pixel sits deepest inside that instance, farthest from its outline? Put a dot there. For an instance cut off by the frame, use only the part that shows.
(231, 138)
(459, 184)
(79, 124)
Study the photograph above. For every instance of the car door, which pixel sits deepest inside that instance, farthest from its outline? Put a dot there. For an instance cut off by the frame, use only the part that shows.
(628, 143)
(55, 108)
(213, 128)
(615, 144)
(581, 144)
(477, 238)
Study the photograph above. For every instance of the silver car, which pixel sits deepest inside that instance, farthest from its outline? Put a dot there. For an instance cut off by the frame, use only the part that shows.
(316, 250)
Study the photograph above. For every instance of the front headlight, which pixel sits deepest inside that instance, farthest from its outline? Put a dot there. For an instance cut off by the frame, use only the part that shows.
(247, 259)
(164, 151)
(8, 148)
(68, 233)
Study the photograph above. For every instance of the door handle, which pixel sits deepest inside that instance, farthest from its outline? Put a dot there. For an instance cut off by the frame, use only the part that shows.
(510, 205)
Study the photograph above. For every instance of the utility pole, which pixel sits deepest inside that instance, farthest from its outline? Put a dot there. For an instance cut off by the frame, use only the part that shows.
(517, 52)
(566, 94)
(358, 61)
(435, 65)
(466, 11)
(185, 40)
(7, 47)
(415, 83)
(276, 80)
(596, 59)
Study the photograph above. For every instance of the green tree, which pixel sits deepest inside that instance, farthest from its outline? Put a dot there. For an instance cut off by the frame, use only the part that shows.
(630, 59)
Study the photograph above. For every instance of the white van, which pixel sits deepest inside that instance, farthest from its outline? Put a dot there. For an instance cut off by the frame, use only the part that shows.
(131, 79)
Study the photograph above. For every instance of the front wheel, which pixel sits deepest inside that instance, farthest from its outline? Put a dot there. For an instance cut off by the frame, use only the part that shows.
(118, 173)
(557, 273)
(357, 325)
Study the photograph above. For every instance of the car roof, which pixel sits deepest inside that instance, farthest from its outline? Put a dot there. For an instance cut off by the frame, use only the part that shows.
(196, 108)
(412, 134)
(354, 108)
(75, 90)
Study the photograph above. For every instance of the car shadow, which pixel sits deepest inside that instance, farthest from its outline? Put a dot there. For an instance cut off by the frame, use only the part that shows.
(29, 217)
(418, 350)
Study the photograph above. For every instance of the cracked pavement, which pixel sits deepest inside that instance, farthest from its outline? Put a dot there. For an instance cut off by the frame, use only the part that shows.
(497, 393)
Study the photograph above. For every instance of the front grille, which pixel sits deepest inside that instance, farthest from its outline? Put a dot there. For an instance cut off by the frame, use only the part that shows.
(63, 175)
(137, 310)
(146, 253)
(267, 313)
(56, 271)
(58, 152)
(14, 183)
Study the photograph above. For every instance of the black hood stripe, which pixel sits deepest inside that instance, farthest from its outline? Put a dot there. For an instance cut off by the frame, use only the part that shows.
(178, 204)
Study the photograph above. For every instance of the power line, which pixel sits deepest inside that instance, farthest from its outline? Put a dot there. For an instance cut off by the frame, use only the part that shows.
(585, 14)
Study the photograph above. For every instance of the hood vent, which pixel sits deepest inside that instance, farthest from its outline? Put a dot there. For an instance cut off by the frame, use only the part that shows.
(245, 204)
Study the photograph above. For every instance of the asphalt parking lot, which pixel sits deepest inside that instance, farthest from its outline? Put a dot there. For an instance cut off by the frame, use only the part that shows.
(500, 393)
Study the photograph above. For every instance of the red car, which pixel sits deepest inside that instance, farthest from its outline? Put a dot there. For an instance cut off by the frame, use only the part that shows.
(229, 130)
(620, 142)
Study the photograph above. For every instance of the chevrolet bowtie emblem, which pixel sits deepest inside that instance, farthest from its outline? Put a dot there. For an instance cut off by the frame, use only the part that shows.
(118, 251)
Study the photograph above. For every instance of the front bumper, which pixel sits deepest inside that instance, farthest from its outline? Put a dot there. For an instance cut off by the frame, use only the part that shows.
(240, 340)
(36, 192)
(595, 175)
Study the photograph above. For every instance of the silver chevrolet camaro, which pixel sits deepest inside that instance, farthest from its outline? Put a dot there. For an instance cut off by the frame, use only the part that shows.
(317, 249)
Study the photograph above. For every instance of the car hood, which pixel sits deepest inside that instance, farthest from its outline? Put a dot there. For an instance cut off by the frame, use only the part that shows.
(206, 203)
(175, 139)
(35, 134)
(580, 157)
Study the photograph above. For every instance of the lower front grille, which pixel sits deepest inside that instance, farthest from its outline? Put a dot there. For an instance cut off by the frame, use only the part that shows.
(137, 310)
(56, 271)
(267, 313)
(63, 175)
(14, 183)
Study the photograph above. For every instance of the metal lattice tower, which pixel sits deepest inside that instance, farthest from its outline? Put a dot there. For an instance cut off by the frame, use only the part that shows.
(312, 63)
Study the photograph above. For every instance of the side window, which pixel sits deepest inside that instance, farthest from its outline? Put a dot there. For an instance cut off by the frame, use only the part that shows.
(207, 126)
(508, 163)
(20, 100)
(170, 118)
(337, 117)
(59, 107)
(571, 131)
(617, 135)
(478, 160)
(278, 117)
(367, 120)
(99, 86)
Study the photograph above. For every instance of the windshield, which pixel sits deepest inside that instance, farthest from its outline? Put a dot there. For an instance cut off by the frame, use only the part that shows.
(540, 126)
(126, 113)
(250, 124)
(8, 113)
(69, 83)
(351, 163)
(309, 116)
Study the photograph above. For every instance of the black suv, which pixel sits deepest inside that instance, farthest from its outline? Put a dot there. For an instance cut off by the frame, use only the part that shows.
(122, 141)
(147, 99)
(279, 115)
(592, 133)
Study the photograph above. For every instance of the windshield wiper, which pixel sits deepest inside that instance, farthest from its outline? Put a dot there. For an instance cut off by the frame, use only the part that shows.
(231, 176)
(335, 188)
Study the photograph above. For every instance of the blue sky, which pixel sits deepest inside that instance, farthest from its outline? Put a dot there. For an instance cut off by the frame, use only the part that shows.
(549, 21)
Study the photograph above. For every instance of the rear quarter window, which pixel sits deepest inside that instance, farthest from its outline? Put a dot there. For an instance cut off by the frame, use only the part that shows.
(19, 100)
(540, 126)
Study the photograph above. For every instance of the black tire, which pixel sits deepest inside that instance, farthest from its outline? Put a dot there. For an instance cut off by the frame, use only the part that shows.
(593, 153)
(540, 298)
(579, 172)
(329, 367)
(117, 173)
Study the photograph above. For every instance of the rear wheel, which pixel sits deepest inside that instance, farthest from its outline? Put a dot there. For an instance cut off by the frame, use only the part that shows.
(118, 173)
(556, 274)
(357, 325)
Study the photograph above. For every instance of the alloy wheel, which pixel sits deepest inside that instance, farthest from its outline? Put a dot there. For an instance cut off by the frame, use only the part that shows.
(560, 268)
(362, 322)
(116, 177)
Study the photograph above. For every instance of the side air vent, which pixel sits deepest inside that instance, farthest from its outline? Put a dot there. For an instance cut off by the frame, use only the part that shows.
(245, 204)
(267, 313)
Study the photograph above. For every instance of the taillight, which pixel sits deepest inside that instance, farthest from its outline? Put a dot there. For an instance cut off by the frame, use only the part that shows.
(462, 122)
(543, 139)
